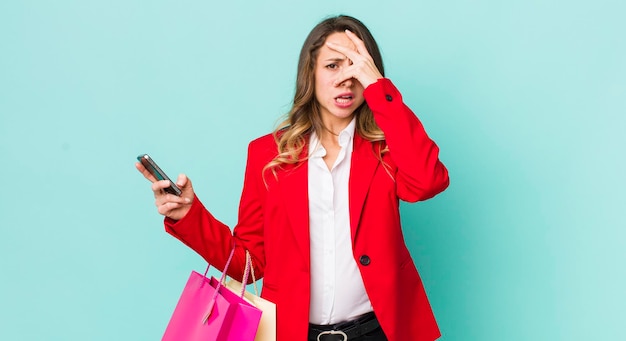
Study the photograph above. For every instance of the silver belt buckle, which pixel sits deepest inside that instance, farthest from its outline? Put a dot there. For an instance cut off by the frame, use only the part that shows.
(333, 332)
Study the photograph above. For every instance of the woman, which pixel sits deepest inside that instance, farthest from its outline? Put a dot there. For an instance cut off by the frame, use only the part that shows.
(319, 207)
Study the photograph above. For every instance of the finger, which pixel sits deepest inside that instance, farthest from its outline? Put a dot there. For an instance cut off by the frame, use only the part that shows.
(360, 52)
(182, 180)
(348, 52)
(360, 45)
(167, 208)
(346, 75)
(159, 186)
(171, 198)
(162, 196)
(145, 172)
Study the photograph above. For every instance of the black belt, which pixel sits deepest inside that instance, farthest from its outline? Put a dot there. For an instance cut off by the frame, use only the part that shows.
(344, 331)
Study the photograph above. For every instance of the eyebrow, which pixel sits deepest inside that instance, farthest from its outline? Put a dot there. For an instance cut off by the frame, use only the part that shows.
(337, 59)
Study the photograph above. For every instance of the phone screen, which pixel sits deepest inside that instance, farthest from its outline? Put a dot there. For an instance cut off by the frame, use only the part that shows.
(156, 171)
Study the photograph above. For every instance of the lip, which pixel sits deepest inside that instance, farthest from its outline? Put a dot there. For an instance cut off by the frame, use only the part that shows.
(344, 103)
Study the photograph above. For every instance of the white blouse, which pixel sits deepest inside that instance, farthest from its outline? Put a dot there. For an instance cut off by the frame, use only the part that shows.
(337, 290)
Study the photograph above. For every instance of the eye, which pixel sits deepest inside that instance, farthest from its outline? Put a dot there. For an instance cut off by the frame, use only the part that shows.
(332, 66)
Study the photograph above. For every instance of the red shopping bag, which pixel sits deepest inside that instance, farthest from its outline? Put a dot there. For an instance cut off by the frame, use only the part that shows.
(208, 311)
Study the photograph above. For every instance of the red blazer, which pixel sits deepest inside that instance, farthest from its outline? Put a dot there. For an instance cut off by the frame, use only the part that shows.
(274, 223)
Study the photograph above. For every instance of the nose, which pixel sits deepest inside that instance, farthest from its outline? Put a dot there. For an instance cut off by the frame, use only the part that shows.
(347, 83)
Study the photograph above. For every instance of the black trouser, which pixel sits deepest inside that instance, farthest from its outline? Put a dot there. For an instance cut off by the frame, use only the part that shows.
(365, 328)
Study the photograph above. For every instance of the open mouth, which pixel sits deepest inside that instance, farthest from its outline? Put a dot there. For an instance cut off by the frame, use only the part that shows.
(344, 99)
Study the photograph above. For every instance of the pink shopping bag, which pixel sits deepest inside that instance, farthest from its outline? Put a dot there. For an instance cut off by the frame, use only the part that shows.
(267, 325)
(208, 311)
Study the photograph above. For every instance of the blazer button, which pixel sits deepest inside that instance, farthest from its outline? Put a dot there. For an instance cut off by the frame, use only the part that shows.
(388, 98)
(365, 260)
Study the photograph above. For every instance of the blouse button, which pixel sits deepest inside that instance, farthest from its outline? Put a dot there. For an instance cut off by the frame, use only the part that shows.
(365, 260)
(388, 98)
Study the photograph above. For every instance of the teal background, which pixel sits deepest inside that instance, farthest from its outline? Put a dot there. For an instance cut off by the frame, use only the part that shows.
(526, 100)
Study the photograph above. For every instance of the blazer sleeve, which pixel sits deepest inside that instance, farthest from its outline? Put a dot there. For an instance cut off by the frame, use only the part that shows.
(420, 175)
(213, 240)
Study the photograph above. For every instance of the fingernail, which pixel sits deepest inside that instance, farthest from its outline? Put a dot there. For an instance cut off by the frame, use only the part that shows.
(187, 200)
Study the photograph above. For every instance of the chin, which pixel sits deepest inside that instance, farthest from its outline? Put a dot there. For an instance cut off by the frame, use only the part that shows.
(344, 114)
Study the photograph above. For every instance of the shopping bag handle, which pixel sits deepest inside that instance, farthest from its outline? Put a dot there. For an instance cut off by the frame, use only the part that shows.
(219, 285)
(249, 270)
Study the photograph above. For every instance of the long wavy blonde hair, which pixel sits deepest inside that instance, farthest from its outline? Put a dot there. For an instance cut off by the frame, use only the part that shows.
(305, 116)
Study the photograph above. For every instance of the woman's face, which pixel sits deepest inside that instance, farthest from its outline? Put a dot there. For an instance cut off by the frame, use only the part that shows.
(337, 102)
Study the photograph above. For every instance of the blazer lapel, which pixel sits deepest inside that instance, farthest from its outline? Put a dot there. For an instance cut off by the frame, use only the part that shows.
(295, 193)
(362, 169)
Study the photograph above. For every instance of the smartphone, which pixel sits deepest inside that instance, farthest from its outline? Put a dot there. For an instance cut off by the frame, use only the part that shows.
(156, 171)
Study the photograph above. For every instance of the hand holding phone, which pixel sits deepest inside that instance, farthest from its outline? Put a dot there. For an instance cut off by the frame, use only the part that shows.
(156, 171)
